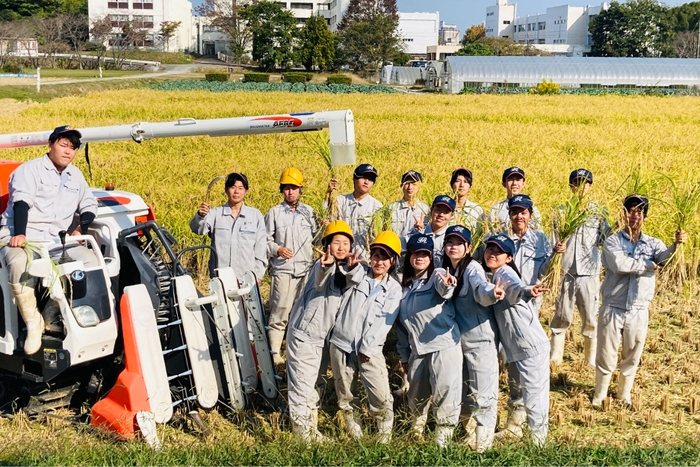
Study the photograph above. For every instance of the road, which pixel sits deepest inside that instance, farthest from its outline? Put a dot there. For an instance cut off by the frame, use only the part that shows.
(166, 70)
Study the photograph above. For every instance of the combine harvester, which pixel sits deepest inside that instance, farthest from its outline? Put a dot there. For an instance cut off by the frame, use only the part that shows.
(133, 337)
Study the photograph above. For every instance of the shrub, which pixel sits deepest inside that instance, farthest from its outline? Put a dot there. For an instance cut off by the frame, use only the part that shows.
(13, 68)
(547, 87)
(297, 77)
(216, 76)
(256, 77)
(339, 79)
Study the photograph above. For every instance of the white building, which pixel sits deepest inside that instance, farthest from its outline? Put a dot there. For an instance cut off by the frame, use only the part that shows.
(562, 30)
(418, 31)
(448, 34)
(148, 15)
(331, 10)
(22, 47)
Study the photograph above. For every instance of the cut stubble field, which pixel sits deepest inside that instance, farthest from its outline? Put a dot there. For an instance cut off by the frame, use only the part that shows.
(547, 136)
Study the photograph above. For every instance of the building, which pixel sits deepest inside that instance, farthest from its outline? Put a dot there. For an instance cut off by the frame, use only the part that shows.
(331, 10)
(206, 39)
(22, 47)
(577, 72)
(561, 30)
(441, 52)
(448, 34)
(418, 31)
(147, 15)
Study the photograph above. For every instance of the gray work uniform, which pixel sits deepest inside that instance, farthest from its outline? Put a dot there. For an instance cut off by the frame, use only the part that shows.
(367, 313)
(581, 282)
(358, 214)
(429, 342)
(526, 346)
(54, 200)
(471, 215)
(240, 242)
(479, 340)
(403, 216)
(628, 288)
(293, 229)
(310, 323)
(499, 219)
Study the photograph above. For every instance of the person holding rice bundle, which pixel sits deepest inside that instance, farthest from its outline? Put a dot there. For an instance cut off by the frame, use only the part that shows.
(631, 259)
(580, 265)
(367, 313)
(429, 343)
(467, 213)
(310, 323)
(531, 256)
(523, 338)
(479, 336)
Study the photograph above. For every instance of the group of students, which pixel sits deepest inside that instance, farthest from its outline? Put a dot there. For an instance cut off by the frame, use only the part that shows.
(454, 309)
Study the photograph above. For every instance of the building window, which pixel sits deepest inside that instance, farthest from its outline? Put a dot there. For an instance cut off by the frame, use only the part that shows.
(490, 13)
(408, 40)
(117, 4)
(142, 4)
(506, 22)
(301, 21)
(143, 22)
(118, 20)
(323, 7)
(541, 26)
(302, 6)
(209, 28)
(282, 4)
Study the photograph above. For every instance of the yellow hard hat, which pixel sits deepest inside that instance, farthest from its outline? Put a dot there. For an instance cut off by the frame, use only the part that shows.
(338, 227)
(292, 176)
(389, 240)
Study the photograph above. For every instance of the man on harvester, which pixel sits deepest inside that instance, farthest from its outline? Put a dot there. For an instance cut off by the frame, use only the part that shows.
(46, 195)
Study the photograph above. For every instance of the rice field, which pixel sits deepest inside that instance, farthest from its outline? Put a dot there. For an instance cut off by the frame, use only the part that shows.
(627, 142)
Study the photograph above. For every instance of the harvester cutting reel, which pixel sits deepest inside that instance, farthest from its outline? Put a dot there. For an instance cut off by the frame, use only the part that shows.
(194, 352)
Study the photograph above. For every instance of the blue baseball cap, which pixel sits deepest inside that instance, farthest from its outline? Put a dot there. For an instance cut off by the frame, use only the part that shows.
(420, 242)
(445, 201)
(411, 177)
(520, 201)
(459, 231)
(504, 243)
(578, 175)
(63, 131)
(510, 171)
(365, 171)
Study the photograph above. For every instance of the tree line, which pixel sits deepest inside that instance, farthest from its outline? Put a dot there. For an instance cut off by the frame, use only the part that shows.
(366, 37)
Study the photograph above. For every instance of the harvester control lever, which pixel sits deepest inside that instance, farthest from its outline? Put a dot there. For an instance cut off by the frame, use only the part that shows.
(194, 303)
(64, 257)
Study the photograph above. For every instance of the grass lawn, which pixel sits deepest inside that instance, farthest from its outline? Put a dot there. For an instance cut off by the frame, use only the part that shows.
(81, 74)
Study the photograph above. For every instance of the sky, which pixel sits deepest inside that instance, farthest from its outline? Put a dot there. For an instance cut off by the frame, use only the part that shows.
(465, 13)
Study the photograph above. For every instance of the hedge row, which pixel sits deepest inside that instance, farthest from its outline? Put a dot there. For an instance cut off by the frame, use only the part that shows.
(229, 86)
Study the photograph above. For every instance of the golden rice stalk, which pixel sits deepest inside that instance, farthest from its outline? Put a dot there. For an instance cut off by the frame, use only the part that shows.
(679, 270)
(567, 218)
(321, 147)
(379, 222)
(638, 182)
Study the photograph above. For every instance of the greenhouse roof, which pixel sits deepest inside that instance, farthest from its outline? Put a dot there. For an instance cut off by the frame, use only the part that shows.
(573, 71)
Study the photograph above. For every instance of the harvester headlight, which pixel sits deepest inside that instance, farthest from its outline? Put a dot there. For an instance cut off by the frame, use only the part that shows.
(86, 316)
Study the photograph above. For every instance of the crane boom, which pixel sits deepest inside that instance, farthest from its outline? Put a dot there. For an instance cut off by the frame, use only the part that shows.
(341, 125)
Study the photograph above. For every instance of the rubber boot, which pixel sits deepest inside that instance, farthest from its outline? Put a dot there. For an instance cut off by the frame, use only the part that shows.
(624, 388)
(483, 438)
(26, 304)
(418, 426)
(557, 355)
(276, 338)
(469, 426)
(352, 427)
(602, 382)
(514, 428)
(443, 435)
(539, 437)
(589, 348)
(384, 427)
(315, 435)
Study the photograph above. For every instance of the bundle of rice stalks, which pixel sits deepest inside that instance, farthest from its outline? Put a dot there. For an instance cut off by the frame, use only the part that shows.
(638, 182)
(328, 209)
(567, 219)
(680, 269)
(378, 223)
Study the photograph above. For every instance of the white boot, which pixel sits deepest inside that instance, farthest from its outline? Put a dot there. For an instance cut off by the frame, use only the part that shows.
(539, 437)
(484, 438)
(352, 427)
(601, 388)
(589, 348)
(315, 435)
(418, 425)
(384, 427)
(469, 425)
(26, 304)
(443, 435)
(557, 355)
(276, 338)
(624, 388)
(514, 427)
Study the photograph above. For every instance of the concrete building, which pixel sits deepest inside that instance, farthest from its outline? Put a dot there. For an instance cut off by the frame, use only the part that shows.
(22, 47)
(331, 10)
(441, 52)
(147, 15)
(448, 34)
(561, 30)
(418, 31)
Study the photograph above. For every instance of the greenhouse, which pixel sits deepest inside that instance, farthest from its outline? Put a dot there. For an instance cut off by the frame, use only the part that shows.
(569, 72)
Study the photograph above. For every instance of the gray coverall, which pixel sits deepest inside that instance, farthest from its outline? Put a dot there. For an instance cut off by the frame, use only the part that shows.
(358, 214)
(367, 313)
(500, 220)
(429, 342)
